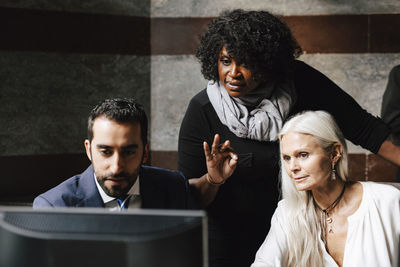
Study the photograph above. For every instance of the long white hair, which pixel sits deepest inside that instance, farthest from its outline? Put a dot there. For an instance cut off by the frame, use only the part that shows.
(304, 233)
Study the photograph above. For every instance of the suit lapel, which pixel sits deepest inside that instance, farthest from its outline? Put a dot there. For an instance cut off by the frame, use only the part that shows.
(87, 190)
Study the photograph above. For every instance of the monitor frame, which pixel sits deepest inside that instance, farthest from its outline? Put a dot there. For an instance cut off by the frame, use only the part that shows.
(102, 213)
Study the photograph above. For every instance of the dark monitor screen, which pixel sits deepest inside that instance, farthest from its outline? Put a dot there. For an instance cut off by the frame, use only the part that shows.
(97, 237)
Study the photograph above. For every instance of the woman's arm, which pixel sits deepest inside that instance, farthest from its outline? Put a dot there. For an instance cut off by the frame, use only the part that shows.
(221, 163)
(195, 159)
(390, 151)
(318, 92)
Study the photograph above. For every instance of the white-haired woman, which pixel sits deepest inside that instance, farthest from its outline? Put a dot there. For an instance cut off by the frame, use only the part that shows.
(324, 219)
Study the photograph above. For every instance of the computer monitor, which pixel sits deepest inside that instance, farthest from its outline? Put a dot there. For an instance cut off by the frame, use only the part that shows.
(77, 237)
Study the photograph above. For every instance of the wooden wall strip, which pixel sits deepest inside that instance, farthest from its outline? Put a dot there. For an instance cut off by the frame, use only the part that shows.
(385, 33)
(25, 177)
(330, 34)
(164, 159)
(361, 166)
(54, 31)
(373, 33)
(176, 36)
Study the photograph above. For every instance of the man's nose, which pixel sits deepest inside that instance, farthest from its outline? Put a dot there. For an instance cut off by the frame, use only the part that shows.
(117, 164)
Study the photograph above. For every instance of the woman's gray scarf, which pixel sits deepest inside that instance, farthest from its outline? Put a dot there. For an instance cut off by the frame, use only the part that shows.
(269, 105)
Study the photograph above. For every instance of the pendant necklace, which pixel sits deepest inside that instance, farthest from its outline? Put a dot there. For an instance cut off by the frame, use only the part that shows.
(326, 216)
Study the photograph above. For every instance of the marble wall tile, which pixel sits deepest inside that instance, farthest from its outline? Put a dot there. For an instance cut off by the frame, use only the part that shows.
(209, 8)
(45, 98)
(363, 76)
(174, 81)
(301, 7)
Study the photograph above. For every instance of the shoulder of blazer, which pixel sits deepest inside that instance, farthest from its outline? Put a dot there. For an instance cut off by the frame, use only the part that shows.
(150, 173)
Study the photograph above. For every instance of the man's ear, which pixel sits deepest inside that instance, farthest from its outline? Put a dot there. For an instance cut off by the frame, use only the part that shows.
(87, 147)
(145, 153)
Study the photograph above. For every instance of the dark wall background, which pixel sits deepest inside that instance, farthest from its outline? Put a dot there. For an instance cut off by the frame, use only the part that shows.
(57, 60)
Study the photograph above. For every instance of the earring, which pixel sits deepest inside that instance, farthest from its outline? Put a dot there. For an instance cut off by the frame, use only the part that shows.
(333, 175)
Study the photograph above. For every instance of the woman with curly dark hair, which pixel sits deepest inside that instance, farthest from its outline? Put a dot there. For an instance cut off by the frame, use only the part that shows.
(255, 83)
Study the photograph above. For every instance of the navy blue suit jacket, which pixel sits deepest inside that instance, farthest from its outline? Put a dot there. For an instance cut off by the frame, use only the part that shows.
(159, 189)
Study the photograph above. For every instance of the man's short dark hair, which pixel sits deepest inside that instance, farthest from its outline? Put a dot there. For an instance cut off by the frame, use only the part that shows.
(257, 39)
(121, 110)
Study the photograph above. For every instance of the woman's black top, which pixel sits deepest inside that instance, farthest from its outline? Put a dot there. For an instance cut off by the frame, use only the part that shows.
(239, 217)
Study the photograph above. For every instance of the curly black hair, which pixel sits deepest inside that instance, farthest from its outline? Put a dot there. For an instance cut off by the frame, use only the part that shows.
(256, 39)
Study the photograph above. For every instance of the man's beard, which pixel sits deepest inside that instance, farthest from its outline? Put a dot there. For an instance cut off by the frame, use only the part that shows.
(118, 190)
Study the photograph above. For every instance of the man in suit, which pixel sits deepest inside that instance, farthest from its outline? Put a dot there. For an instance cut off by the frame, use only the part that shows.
(117, 146)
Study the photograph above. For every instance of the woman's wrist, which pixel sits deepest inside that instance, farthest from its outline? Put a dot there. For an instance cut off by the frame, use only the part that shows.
(210, 180)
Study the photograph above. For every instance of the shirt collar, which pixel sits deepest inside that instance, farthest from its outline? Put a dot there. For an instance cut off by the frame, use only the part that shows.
(134, 190)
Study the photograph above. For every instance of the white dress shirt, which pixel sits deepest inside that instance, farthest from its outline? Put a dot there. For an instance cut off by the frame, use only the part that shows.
(112, 204)
(372, 235)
